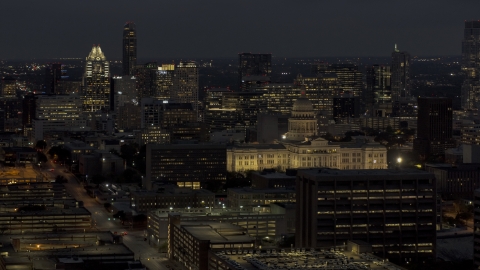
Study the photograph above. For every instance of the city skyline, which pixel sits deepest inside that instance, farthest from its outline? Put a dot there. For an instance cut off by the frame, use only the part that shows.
(218, 29)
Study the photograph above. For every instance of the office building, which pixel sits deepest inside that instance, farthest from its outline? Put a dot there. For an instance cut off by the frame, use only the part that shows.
(400, 80)
(155, 135)
(456, 181)
(129, 49)
(279, 96)
(248, 198)
(124, 91)
(165, 74)
(169, 197)
(268, 179)
(57, 113)
(258, 224)
(179, 119)
(253, 70)
(320, 90)
(11, 107)
(101, 162)
(9, 87)
(190, 242)
(187, 165)
(434, 133)
(129, 117)
(53, 77)
(378, 94)
(476, 229)
(96, 81)
(471, 65)
(349, 77)
(185, 84)
(350, 256)
(335, 206)
(345, 107)
(146, 76)
(67, 251)
(28, 109)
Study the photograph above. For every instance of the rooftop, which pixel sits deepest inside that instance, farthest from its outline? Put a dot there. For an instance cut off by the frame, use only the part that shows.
(326, 172)
(300, 259)
(217, 232)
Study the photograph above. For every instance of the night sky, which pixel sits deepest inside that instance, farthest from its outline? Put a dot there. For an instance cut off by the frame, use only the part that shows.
(214, 28)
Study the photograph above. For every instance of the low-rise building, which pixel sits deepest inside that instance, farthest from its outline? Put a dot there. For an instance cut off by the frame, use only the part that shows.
(101, 162)
(18, 155)
(271, 179)
(190, 242)
(247, 198)
(456, 181)
(260, 225)
(144, 201)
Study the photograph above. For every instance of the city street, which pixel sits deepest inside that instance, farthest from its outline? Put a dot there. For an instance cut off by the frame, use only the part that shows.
(104, 222)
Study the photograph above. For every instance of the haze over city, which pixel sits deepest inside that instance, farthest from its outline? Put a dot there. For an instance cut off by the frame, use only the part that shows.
(194, 29)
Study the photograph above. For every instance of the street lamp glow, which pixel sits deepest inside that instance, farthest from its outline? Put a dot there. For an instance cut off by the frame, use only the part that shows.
(399, 160)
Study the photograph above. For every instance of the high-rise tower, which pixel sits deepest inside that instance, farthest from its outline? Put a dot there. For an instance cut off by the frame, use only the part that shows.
(129, 48)
(400, 75)
(253, 70)
(378, 95)
(96, 81)
(471, 65)
(185, 84)
(434, 133)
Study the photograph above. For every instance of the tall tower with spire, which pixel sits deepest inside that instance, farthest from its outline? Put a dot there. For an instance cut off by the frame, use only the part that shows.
(400, 75)
(129, 48)
(471, 65)
(96, 81)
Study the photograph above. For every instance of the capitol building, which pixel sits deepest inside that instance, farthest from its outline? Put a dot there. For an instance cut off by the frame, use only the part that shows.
(303, 148)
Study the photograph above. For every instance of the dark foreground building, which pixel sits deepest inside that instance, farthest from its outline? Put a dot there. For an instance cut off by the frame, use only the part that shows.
(392, 210)
(187, 165)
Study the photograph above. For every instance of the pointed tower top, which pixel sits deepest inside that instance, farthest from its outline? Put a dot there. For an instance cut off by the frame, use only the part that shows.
(96, 54)
(396, 48)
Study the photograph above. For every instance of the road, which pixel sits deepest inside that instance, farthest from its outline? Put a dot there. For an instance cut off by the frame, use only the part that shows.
(104, 222)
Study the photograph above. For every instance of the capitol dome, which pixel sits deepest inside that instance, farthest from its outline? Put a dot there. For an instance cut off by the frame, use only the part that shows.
(302, 124)
(302, 104)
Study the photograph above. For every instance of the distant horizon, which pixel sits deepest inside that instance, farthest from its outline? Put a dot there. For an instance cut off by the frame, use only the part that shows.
(146, 60)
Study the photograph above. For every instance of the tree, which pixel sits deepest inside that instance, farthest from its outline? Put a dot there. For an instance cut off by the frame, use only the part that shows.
(108, 206)
(59, 153)
(41, 145)
(60, 179)
(41, 157)
(129, 176)
(98, 179)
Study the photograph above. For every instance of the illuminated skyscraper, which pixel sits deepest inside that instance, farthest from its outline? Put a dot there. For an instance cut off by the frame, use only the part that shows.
(129, 48)
(8, 87)
(185, 84)
(400, 75)
(253, 70)
(165, 75)
(471, 65)
(96, 81)
(349, 77)
(378, 95)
